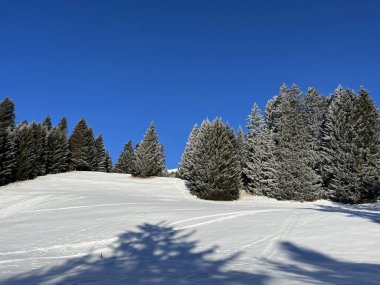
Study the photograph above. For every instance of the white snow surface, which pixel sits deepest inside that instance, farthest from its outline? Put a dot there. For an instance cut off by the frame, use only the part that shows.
(99, 228)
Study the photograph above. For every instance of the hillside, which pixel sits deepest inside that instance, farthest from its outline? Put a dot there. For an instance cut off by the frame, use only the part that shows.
(98, 228)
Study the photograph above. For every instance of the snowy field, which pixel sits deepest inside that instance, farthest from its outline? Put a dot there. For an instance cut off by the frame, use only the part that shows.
(96, 228)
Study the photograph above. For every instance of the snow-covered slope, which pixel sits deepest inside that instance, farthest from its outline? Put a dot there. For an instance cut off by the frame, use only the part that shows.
(96, 228)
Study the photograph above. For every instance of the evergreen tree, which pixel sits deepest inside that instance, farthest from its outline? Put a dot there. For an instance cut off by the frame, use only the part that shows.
(294, 150)
(91, 150)
(108, 162)
(47, 123)
(148, 158)
(101, 155)
(124, 163)
(40, 136)
(339, 150)
(243, 152)
(7, 141)
(350, 149)
(82, 147)
(58, 148)
(7, 114)
(26, 152)
(187, 163)
(252, 168)
(217, 172)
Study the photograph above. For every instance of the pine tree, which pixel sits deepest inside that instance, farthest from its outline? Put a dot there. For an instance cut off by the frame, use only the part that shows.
(7, 114)
(243, 152)
(124, 163)
(47, 123)
(148, 158)
(7, 142)
(108, 162)
(294, 145)
(340, 160)
(58, 148)
(367, 140)
(26, 152)
(217, 172)
(101, 155)
(82, 147)
(187, 163)
(252, 168)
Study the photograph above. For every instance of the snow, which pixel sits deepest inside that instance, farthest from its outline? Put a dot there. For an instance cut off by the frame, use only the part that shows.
(99, 228)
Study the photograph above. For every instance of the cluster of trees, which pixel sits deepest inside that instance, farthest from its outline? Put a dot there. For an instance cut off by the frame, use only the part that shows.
(146, 159)
(33, 149)
(305, 147)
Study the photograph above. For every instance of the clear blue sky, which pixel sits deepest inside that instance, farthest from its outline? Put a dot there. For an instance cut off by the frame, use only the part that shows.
(121, 64)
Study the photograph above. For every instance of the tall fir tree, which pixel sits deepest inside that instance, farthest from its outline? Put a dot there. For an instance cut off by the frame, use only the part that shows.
(187, 164)
(124, 163)
(243, 151)
(294, 145)
(339, 149)
(216, 175)
(252, 168)
(148, 158)
(101, 155)
(108, 162)
(26, 152)
(7, 141)
(82, 147)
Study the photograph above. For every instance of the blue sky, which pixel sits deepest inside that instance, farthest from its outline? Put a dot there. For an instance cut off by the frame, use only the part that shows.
(121, 64)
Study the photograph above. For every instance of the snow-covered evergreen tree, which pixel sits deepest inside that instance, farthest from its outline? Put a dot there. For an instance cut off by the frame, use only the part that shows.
(294, 150)
(350, 148)
(82, 147)
(7, 141)
(187, 163)
(101, 155)
(339, 150)
(216, 175)
(26, 152)
(148, 158)
(243, 151)
(108, 162)
(124, 163)
(252, 167)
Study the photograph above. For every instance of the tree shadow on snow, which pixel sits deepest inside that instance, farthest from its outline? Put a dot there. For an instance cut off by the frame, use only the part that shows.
(369, 212)
(153, 254)
(308, 266)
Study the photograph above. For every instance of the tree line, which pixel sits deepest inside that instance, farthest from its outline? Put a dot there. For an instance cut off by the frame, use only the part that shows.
(34, 149)
(305, 147)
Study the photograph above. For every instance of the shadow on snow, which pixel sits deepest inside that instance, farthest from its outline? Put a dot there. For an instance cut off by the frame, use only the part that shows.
(309, 266)
(154, 254)
(370, 212)
(160, 254)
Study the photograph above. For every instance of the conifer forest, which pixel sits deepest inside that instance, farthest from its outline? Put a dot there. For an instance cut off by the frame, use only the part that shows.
(303, 146)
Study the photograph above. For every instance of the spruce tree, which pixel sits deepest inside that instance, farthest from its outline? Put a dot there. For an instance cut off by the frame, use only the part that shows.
(82, 147)
(294, 150)
(243, 151)
(101, 155)
(340, 158)
(108, 162)
(58, 148)
(252, 168)
(7, 141)
(124, 163)
(216, 175)
(148, 158)
(187, 163)
(26, 152)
